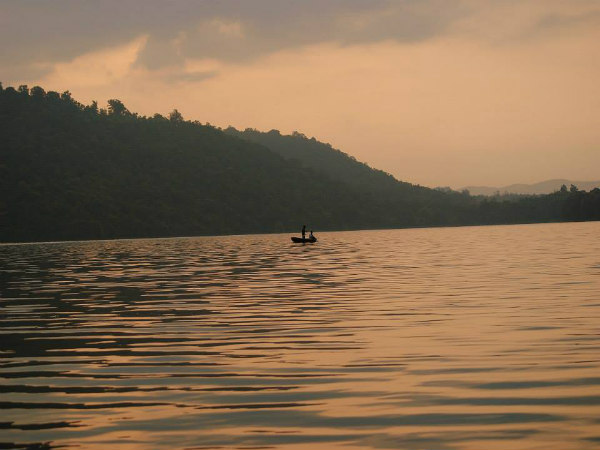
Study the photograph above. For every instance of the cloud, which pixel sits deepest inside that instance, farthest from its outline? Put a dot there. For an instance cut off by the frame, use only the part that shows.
(518, 22)
(193, 77)
(233, 30)
(40, 33)
(249, 30)
(97, 68)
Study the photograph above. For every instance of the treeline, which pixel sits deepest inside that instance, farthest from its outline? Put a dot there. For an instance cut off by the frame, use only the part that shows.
(74, 171)
(440, 206)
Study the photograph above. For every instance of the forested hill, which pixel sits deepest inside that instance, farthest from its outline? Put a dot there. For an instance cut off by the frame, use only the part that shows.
(74, 171)
(323, 158)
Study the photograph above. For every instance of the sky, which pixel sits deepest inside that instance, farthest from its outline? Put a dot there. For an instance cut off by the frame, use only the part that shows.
(435, 92)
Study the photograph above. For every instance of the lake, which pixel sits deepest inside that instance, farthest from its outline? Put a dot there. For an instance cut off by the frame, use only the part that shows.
(443, 338)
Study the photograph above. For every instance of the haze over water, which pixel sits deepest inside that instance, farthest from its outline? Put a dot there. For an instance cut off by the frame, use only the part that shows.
(448, 338)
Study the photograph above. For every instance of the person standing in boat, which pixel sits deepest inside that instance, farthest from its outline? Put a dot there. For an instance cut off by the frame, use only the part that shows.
(303, 231)
(311, 236)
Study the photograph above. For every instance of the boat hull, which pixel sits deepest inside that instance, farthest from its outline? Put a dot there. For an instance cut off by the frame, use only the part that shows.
(297, 240)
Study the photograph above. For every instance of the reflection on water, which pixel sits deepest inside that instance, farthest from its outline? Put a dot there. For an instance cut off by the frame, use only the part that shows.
(463, 338)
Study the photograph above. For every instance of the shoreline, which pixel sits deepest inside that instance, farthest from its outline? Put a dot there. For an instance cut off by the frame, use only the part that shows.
(9, 243)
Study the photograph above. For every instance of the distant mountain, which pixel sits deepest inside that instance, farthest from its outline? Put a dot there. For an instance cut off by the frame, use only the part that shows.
(73, 171)
(543, 187)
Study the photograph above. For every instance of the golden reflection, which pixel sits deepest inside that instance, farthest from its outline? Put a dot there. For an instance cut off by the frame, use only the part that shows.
(466, 338)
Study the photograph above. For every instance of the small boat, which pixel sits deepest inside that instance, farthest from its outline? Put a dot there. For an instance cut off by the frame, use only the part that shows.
(299, 240)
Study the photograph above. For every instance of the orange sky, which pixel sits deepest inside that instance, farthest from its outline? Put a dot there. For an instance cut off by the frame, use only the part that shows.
(437, 93)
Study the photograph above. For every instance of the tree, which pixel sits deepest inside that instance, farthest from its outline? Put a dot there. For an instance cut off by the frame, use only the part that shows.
(117, 108)
(175, 116)
(93, 107)
(38, 92)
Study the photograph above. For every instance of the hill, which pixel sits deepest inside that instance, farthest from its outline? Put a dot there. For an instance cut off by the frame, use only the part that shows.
(543, 187)
(74, 171)
(323, 158)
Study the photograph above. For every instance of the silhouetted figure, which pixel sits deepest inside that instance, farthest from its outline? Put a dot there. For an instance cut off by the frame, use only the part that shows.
(310, 236)
(303, 231)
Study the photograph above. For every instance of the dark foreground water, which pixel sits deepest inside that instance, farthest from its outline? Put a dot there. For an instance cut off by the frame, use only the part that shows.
(455, 338)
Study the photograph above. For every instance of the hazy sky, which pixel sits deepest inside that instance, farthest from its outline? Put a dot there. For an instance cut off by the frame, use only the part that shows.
(436, 92)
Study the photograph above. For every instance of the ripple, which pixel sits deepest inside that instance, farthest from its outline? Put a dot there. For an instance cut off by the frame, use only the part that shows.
(453, 338)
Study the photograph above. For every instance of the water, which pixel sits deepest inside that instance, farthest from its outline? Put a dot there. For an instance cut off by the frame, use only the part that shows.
(449, 338)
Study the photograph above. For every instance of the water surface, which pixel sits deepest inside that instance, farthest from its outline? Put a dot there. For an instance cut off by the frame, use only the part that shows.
(449, 338)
